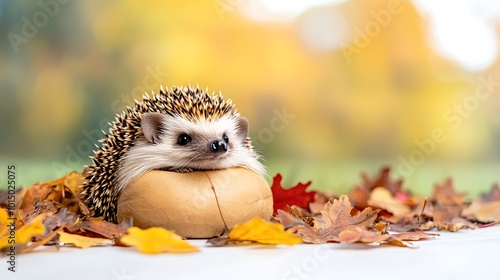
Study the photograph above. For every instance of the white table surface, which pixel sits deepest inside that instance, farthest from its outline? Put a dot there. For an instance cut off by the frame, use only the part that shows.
(467, 254)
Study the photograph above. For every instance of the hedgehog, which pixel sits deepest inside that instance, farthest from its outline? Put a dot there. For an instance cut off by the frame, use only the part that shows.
(181, 129)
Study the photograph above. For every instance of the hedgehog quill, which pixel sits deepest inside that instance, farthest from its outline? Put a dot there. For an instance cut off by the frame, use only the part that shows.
(181, 129)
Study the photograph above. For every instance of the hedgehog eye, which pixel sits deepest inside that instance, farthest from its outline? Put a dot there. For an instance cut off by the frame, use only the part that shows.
(226, 139)
(184, 139)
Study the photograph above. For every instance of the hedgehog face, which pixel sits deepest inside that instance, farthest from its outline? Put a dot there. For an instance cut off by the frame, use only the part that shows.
(202, 144)
(176, 143)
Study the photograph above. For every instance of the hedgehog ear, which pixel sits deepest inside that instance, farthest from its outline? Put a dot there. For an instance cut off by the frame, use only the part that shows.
(242, 128)
(151, 124)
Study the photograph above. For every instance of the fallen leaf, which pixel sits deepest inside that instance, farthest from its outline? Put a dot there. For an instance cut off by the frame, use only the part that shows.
(445, 194)
(296, 195)
(493, 195)
(26, 233)
(335, 218)
(4, 222)
(82, 241)
(448, 218)
(289, 220)
(415, 235)
(484, 212)
(382, 180)
(156, 240)
(382, 198)
(260, 231)
(106, 229)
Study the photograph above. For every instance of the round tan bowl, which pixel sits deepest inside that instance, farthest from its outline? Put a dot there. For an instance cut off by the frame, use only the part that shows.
(187, 204)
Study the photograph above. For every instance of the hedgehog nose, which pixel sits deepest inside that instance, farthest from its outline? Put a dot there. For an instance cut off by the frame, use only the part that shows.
(218, 146)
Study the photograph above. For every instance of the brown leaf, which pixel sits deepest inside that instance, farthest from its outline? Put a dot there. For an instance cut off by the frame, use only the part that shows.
(493, 195)
(382, 180)
(445, 194)
(289, 220)
(415, 235)
(335, 218)
(484, 212)
(448, 218)
(106, 229)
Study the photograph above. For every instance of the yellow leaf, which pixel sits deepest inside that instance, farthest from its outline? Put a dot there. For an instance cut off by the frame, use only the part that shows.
(24, 234)
(156, 240)
(260, 231)
(81, 241)
(3, 222)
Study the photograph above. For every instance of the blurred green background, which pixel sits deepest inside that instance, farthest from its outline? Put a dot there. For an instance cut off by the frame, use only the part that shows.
(330, 87)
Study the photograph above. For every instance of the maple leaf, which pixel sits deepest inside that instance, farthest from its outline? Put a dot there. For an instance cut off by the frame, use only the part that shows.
(156, 240)
(260, 231)
(82, 241)
(296, 195)
(482, 211)
(335, 218)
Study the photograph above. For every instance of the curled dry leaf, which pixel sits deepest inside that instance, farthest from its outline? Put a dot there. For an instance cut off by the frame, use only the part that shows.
(106, 229)
(485, 212)
(335, 218)
(382, 198)
(156, 240)
(358, 235)
(415, 235)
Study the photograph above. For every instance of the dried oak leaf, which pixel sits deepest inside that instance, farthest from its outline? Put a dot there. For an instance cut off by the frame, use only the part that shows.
(359, 235)
(445, 194)
(105, 229)
(261, 231)
(415, 235)
(483, 211)
(156, 240)
(82, 241)
(448, 218)
(292, 218)
(64, 191)
(296, 195)
(360, 194)
(335, 218)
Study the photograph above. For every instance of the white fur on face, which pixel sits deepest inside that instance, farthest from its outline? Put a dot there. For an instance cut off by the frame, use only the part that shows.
(168, 154)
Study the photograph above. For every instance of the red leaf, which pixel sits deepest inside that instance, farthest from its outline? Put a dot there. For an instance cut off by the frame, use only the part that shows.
(293, 196)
